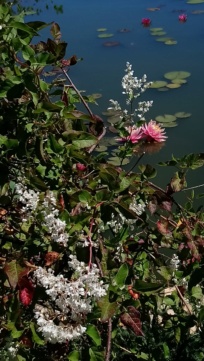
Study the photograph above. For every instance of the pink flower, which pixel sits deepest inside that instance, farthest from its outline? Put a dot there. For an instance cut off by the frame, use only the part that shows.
(153, 132)
(146, 21)
(80, 167)
(135, 134)
(182, 18)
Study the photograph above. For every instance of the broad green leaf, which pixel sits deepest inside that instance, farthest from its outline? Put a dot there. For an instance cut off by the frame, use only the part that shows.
(94, 334)
(23, 27)
(35, 336)
(143, 287)
(121, 276)
(74, 356)
(54, 144)
(197, 292)
(84, 196)
(107, 309)
(12, 270)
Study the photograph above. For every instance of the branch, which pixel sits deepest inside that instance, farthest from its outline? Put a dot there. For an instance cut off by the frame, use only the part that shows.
(108, 348)
(79, 94)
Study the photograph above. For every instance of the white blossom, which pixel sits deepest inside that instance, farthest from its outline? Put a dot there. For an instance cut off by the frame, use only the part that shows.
(73, 298)
(174, 262)
(137, 207)
(28, 197)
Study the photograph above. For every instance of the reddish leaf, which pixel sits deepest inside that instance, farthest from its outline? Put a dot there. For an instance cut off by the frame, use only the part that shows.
(152, 205)
(55, 31)
(51, 257)
(26, 291)
(132, 320)
(178, 182)
(167, 205)
(162, 226)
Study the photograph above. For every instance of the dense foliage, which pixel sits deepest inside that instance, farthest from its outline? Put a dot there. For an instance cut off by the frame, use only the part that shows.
(97, 262)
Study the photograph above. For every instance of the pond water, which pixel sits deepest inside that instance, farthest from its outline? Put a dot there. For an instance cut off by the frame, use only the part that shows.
(103, 67)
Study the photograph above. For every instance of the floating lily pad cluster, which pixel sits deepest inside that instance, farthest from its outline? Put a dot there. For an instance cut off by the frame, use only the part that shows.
(177, 78)
(169, 120)
(159, 33)
(103, 33)
(195, 1)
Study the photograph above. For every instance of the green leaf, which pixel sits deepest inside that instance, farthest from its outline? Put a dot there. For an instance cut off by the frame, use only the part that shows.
(35, 336)
(73, 356)
(121, 276)
(125, 183)
(24, 27)
(107, 309)
(54, 145)
(148, 171)
(143, 287)
(94, 334)
(37, 25)
(12, 270)
(84, 196)
(85, 143)
(197, 292)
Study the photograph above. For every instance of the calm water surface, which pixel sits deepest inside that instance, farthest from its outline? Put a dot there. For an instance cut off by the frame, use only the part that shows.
(103, 67)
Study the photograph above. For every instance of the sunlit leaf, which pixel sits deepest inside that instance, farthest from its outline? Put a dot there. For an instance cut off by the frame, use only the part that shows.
(177, 74)
(158, 84)
(105, 35)
(182, 115)
(166, 118)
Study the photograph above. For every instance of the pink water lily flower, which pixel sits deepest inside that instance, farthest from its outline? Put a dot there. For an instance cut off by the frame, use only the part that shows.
(153, 132)
(146, 21)
(135, 134)
(182, 18)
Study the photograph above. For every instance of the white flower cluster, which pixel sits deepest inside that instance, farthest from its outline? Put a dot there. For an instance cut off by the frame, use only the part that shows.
(118, 221)
(73, 300)
(174, 262)
(133, 86)
(30, 200)
(136, 207)
(115, 105)
(28, 197)
(143, 107)
(54, 225)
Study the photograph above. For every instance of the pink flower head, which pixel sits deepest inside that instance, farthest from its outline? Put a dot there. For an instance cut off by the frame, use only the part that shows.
(146, 21)
(153, 132)
(135, 134)
(80, 167)
(182, 18)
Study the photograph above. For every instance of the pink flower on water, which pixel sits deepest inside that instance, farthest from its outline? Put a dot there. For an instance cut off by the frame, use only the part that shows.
(153, 132)
(135, 134)
(146, 21)
(182, 18)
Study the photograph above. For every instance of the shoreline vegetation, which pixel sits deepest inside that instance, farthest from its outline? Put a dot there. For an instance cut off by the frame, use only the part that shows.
(97, 262)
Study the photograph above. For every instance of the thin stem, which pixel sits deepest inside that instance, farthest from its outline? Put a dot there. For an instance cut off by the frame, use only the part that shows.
(186, 189)
(79, 94)
(139, 159)
(108, 347)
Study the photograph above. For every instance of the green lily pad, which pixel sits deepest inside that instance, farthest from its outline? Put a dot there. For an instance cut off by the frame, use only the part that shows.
(158, 84)
(173, 85)
(102, 29)
(101, 148)
(156, 29)
(182, 115)
(197, 12)
(177, 74)
(166, 118)
(170, 42)
(96, 95)
(195, 1)
(105, 35)
(112, 112)
(158, 33)
(179, 81)
(164, 89)
(164, 39)
(115, 119)
(117, 161)
(169, 125)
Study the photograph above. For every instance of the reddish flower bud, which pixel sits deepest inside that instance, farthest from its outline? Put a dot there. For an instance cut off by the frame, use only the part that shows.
(80, 167)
